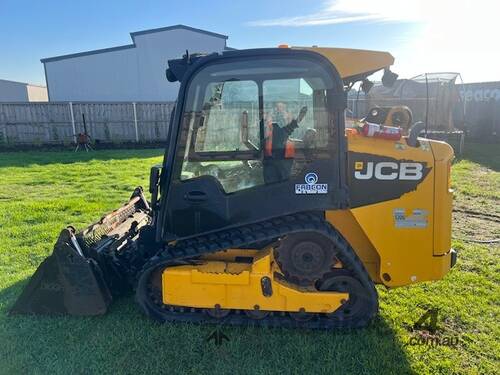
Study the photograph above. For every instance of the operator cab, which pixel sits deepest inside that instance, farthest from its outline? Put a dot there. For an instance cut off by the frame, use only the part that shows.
(253, 131)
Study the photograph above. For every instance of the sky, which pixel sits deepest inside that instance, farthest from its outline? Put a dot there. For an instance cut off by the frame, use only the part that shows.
(423, 35)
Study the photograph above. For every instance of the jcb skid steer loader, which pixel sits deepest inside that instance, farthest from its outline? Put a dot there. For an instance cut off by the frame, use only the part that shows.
(266, 210)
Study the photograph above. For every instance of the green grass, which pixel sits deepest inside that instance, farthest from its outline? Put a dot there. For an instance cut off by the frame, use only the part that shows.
(42, 192)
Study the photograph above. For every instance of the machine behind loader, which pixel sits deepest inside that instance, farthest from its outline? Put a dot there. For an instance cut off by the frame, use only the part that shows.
(266, 210)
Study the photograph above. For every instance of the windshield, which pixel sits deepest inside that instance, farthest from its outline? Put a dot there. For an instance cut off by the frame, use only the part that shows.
(243, 112)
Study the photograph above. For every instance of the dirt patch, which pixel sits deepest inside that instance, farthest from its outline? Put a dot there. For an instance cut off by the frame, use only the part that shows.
(475, 225)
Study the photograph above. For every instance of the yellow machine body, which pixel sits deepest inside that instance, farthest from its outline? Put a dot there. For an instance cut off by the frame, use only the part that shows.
(352, 63)
(393, 255)
(220, 281)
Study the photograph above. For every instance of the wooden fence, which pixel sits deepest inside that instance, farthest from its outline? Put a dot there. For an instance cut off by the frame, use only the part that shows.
(60, 122)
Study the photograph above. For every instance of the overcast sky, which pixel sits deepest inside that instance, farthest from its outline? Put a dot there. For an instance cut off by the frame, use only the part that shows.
(423, 35)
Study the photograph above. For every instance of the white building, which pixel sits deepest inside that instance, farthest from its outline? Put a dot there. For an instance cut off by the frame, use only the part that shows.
(11, 91)
(134, 72)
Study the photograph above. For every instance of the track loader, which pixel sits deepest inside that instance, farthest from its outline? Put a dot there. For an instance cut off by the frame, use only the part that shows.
(266, 209)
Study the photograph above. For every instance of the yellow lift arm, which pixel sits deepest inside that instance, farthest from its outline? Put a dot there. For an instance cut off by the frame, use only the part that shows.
(354, 64)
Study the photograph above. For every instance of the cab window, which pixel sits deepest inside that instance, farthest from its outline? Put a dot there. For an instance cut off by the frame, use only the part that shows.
(255, 122)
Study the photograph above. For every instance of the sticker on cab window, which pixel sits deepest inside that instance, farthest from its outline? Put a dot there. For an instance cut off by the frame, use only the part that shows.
(311, 185)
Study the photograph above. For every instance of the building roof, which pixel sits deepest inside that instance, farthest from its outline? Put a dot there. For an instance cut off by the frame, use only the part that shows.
(21, 83)
(133, 35)
(176, 27)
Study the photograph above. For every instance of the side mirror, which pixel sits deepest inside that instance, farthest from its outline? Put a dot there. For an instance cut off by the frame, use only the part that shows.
(154, 181)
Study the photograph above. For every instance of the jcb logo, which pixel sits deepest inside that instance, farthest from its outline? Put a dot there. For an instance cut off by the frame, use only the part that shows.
(387, 170)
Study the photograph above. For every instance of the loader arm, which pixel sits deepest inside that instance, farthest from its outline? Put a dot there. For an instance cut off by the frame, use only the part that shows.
(354, 64)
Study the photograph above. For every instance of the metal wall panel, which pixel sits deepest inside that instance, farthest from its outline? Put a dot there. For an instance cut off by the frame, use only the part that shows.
(482, 108)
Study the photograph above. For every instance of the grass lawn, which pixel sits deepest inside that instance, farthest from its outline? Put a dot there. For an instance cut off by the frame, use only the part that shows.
(42, 192)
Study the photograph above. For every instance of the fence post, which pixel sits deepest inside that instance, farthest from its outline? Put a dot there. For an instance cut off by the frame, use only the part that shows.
(3, 134)
(72, 121)
(135, 123)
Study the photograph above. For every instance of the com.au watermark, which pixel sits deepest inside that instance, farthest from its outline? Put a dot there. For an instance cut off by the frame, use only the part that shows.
(430, 340)
(426, 332)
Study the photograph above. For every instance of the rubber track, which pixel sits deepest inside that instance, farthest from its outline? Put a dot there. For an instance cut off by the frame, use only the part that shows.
(241, 236)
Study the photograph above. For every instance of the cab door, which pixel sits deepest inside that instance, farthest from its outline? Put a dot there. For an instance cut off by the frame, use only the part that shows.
(235, 108)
